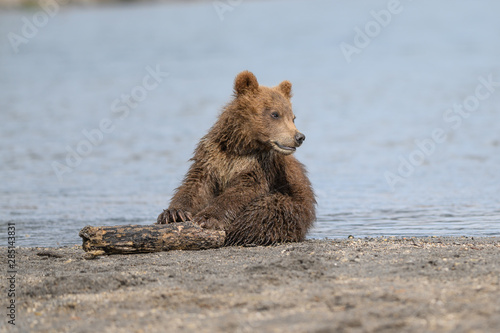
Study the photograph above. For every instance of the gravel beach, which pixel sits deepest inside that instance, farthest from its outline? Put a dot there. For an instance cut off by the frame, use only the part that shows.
(430, 284)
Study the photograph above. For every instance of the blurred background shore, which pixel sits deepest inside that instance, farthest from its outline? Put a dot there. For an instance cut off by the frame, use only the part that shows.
(15, 4)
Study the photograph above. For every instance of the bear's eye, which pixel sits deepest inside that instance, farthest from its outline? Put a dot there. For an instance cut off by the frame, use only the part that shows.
(275, 115)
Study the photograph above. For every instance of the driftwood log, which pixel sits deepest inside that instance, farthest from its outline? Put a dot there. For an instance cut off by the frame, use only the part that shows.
(149, 238)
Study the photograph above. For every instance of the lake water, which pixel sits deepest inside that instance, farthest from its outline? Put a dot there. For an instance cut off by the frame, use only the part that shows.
(388, 149)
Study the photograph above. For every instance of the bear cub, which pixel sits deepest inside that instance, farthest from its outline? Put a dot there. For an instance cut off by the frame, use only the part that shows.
(243, 178)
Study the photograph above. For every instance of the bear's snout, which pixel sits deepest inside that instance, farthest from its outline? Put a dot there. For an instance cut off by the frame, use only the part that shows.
(299, 138)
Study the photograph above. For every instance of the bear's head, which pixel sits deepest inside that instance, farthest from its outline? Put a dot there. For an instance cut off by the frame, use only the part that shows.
(267, 114)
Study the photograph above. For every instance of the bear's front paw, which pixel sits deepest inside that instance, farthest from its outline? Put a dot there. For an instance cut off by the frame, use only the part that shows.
(173, 215)
(209, 223)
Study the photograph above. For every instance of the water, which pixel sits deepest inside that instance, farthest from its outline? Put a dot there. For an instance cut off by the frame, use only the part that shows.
(361, 118)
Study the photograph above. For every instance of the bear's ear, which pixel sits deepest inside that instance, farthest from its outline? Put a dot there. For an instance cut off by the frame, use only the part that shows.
(245, 82)
(286, 88)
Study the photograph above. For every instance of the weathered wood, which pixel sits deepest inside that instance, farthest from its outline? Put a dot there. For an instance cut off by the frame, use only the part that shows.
(149, 238)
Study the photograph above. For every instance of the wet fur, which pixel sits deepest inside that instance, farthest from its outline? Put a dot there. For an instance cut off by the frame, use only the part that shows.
(239, 181)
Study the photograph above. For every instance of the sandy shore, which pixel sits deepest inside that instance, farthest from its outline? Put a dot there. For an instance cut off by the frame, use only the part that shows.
(352, 285)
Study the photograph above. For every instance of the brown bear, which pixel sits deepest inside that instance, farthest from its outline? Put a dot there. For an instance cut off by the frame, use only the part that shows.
(243, 178)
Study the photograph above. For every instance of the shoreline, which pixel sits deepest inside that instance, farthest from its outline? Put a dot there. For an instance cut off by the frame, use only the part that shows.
(434, 284)
(26, 4)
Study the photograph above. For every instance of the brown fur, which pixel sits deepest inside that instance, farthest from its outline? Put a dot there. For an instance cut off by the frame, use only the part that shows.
(243, 178)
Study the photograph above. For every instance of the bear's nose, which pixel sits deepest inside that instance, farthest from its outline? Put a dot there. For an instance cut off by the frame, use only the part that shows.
(299, 138)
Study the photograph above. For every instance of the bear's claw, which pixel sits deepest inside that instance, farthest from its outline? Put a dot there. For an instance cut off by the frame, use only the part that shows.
(209, 223)
(173, 215)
